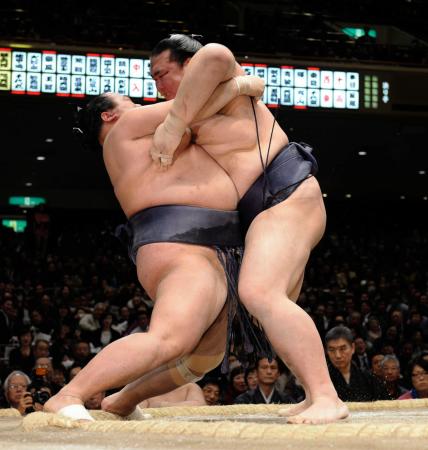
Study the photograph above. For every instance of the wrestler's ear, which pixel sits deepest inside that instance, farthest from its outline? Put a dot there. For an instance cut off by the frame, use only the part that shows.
(108, 116)
(186, 62)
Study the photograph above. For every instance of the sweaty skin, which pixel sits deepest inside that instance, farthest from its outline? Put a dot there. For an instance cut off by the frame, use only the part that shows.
(187, 282)
(278, 242)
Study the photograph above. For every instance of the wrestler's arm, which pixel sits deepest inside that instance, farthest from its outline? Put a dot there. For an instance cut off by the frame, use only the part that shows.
(229, 90)
(143, 121)
(210, 66)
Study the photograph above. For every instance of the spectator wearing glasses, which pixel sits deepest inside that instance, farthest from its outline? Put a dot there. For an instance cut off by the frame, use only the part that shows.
(15, 386)
(419, 374)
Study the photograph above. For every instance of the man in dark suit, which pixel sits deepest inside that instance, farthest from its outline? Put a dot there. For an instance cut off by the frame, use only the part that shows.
(265, 392)
(352, 384)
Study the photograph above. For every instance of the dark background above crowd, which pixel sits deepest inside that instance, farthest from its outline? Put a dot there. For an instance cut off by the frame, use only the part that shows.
(305, 28)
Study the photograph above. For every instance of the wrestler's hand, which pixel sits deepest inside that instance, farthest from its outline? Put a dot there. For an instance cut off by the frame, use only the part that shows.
(166, 140)
(250, 85)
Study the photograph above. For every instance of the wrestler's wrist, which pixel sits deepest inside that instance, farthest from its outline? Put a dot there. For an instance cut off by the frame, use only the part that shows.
(249, 85)
(175, 125)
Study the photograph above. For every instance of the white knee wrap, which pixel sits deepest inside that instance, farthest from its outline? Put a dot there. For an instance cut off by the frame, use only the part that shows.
(192, 368)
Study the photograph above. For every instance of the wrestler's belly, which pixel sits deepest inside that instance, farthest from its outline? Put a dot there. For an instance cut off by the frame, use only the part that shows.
(194, 179)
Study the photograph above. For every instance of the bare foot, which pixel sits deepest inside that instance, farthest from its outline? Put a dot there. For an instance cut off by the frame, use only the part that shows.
(293, 410)
(58, 401)
(115, 404)
(322, 410)
(70, 406)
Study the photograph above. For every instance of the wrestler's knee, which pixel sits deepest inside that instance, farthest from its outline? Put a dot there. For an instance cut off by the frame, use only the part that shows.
(176, 345)
(254, 295)
(192, 368)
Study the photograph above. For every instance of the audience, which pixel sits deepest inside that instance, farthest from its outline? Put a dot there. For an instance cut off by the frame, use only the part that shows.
(15, 387)
(265, 392)
(60, 306)
(352, 384)
(236, 385)
(211, 389)
(419, 374)
(392, 376)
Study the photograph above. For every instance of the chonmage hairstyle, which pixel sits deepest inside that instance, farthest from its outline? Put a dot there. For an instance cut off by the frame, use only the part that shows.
(181, 46)
(88, 121)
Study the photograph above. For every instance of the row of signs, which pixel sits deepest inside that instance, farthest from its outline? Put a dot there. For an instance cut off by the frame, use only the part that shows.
(49, 72)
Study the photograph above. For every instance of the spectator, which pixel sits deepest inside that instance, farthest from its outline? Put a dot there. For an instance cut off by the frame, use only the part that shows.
(123, 321)
(81, 353)
(15, 386)
(22, 358)
(58, 378)
(237, 385)
(142, 323)
(374, 331)
(419, 374)
(42, 371)
(41, 349)
(294, 389)
(361, 356)
(351, 383)
(40, 325)
(90, 322)
(251, 377)
(7, 319)
(106, 333)
(377, 371)
(265, 392)
(211, 389)
(391, 375)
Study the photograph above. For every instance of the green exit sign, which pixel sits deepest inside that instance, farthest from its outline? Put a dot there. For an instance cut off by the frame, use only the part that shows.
(18, 225)
(356, 33)
(26, 202)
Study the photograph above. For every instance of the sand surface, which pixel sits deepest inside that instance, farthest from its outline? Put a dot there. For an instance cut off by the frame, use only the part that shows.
(14, 437)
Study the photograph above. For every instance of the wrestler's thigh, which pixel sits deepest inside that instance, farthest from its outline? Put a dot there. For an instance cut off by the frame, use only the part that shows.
(279, 242)
(189, 296)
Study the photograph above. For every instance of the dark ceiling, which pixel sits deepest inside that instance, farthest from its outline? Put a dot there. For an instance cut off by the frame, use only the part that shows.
(396, 145)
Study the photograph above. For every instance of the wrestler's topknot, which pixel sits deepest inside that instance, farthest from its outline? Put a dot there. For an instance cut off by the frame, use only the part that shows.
(181, 47)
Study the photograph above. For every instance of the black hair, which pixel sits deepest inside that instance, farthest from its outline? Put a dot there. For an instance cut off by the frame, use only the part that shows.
(248, 370)
(89, 122)
(181, 47)
(339, 332)
(236, 371)
(274, 358)
(419, 361)
(210, 380)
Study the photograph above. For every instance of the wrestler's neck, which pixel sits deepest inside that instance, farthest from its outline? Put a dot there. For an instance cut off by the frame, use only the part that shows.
(105, 130)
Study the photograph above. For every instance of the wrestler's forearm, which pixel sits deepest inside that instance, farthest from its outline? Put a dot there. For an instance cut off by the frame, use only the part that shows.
(210, 66)
(227, 91)
(222, 95)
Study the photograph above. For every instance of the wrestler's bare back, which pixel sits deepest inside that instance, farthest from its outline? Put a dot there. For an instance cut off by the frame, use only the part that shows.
(194, 179)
